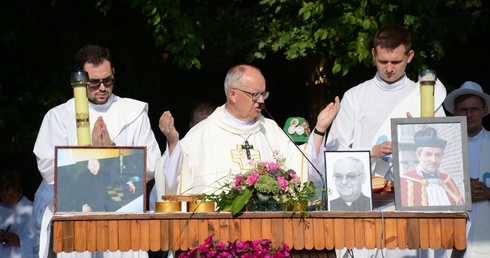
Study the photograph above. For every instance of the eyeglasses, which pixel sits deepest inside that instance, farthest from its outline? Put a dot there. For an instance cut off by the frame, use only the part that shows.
(351, 177)
(256, 95)
(95, 84)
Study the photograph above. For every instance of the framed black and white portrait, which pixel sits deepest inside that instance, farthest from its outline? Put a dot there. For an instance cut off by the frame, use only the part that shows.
(348, 180)
(430, 164)
(100, 179)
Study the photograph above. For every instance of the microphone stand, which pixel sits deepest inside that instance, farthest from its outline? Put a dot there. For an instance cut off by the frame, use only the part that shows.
(323, 206)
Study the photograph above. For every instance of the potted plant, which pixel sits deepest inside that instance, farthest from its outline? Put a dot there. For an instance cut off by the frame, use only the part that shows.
(268, 186)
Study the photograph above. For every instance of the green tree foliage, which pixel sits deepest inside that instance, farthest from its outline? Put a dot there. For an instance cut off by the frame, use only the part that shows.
(329, 37)
(339, 31)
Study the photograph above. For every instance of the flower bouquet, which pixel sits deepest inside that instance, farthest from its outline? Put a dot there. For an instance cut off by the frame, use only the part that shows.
(247, 249)
(266, 181)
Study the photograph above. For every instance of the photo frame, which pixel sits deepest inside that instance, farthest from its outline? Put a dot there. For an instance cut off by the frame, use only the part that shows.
(348, 180)
(100, 179)
(431, 147)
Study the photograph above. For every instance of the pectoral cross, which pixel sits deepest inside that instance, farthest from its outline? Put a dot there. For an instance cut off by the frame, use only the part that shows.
(247, 147)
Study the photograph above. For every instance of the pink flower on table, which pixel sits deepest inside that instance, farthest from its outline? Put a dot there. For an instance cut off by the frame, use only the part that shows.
(271, 165)
(283, 182)
(252, 178)
(238, 181)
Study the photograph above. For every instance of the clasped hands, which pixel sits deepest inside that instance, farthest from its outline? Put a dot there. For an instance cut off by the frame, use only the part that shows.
(100, 135)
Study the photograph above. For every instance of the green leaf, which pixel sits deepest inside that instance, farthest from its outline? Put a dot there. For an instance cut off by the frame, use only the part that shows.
(240, 201)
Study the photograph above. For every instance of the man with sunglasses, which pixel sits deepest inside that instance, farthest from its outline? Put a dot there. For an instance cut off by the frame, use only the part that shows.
(232, 138)
(114, 121)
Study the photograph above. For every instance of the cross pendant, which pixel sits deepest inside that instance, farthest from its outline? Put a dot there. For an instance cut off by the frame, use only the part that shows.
(247, 147)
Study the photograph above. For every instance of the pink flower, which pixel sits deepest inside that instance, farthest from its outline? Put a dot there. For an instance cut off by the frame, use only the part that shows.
(252, 178)
(293, 175)
(283, 182)
(271, 165)
(238, 181)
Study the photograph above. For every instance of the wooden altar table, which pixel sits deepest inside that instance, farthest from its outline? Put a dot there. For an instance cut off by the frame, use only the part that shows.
(321, 230)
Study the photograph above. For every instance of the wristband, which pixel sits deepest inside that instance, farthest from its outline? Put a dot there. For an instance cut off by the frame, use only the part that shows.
(318, 132)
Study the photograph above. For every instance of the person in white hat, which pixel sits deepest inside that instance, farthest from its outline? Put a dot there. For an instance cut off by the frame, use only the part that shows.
(470, 101)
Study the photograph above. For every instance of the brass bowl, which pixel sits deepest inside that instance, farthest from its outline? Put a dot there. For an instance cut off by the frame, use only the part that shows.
(200, 206)
(163, 206)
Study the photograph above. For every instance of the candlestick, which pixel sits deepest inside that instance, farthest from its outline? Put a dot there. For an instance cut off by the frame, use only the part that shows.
(427, 80)
(79, 81)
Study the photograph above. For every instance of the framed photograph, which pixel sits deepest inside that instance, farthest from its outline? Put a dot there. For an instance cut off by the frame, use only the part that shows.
(100, 179)
(348, 180)
(430, 164)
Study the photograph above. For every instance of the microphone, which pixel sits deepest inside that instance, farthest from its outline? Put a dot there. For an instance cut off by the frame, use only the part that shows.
(323, 181)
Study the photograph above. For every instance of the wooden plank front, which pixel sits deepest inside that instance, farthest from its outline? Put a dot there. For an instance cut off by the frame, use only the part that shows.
(276, 232)
(447, 233)
(68, 236)
(245, 229)
(159, 236)
(435, 233)
(57, 237)
(80, 238)
(401, 233)
(349, 233)
(319, 240)
(370, 233)
(460, 234)
(298, 234)
(124, 236)
(135, 234)
(424, 233)
(102, 235)
(322, 230)
(91, 236)
(145, 234)
(391, 230)
(329, 233)
(287, 229)
(309, 233)
(339, 237)
(266, 229)
(112, 235)
(413, 233)
(184, 234)
(193, 233)
(360, 231)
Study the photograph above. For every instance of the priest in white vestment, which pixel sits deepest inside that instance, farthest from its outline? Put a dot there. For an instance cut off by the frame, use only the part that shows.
(364, 122)
(233, 137)
(114, 121)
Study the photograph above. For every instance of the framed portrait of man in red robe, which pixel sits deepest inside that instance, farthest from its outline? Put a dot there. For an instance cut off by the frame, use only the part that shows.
(430, 164)
(100, 179)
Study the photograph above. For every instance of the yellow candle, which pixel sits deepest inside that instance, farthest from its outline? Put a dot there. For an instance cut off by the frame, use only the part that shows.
(81, 109)
(427, 99)
(427, 79)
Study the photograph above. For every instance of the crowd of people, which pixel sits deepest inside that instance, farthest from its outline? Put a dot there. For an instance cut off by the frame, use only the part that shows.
(228, 138)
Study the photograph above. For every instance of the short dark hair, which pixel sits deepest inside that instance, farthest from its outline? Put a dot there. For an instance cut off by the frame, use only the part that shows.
(391, 37)
(10, 179)
(92, 54)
